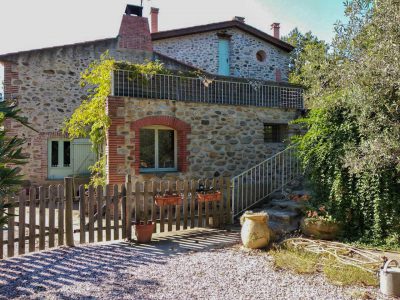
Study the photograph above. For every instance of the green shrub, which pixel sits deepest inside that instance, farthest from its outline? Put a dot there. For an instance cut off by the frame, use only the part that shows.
(352, 145)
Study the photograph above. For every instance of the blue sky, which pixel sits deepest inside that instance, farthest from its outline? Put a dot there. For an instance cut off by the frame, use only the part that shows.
(27, 24)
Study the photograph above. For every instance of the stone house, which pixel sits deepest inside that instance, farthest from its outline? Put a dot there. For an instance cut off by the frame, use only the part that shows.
(221, 123)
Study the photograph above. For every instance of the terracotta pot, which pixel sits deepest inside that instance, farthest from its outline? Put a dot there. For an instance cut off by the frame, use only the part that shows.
(144, 231)
(255, 232)
(209, 197)
(320, 229)
(167, 200)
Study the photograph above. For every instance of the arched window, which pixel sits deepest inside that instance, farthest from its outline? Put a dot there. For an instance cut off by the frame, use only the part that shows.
(158, 149)
(154, 150)
(261, 56)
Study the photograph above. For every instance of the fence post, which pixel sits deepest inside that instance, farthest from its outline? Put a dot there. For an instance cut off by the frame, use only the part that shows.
(69, 229)
(231, 199)
(128, 203)
(282, 170)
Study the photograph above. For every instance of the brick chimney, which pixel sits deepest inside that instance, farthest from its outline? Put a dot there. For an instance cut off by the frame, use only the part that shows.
(154, 19)
(275, 27)
(237, 18)
(278, 75)
(134, 32)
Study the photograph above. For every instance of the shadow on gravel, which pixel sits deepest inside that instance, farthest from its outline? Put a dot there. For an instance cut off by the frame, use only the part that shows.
(27, 275)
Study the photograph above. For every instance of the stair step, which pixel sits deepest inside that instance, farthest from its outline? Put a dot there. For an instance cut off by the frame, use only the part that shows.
(300, 192)
(279, 215)
(276, 195)
(278, 229)
(285, 204)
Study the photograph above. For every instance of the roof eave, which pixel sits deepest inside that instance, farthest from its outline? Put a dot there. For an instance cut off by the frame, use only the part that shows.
(6, 57)
(219, 26)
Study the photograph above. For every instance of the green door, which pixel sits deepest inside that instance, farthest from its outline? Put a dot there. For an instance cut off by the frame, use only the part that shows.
(83, 157)
(223, 57)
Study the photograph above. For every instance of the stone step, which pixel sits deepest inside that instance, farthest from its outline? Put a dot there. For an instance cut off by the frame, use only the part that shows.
(279, 229)
(300, 192)
(276, 195)
(284, 214)
(285, 204)
(280, 215)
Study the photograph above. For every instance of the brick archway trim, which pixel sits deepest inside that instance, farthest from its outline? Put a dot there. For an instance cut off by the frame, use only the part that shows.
(182, 128)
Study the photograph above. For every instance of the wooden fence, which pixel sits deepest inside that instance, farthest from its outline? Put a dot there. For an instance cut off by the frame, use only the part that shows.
(46, 217)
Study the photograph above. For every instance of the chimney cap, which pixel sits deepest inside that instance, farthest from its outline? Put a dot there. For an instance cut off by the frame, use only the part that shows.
(237, 18)
(134, 10)
(154, 10)
(275, 25)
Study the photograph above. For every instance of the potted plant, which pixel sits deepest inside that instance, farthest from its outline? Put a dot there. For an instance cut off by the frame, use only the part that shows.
(168, 198)
(320, 224)
(207, 195)
(144, 230)
(299, 197)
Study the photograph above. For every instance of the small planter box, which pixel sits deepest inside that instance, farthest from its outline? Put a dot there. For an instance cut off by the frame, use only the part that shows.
(208, 197)
(167, 200)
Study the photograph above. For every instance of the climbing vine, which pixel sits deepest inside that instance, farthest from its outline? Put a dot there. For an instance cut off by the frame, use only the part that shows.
(90, 119)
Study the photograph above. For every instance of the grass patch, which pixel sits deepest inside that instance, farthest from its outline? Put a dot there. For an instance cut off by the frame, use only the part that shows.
(341, 274)
(303, 262)
(391, 243)
(297, 261)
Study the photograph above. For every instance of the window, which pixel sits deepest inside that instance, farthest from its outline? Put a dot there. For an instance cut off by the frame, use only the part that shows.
(158, 151)
(69, 158)
(261, 56)
(275, 133)
(60, 154)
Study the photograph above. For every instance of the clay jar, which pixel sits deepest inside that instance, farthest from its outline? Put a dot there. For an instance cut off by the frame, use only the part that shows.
(255, 232)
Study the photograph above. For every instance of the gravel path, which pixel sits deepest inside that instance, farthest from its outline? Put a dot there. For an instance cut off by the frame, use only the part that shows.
(123, 271)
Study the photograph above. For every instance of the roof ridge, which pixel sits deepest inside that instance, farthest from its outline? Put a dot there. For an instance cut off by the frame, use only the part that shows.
(222, 25)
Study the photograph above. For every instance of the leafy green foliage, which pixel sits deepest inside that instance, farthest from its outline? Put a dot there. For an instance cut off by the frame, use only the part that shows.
(352, 144)
(308, 55)
(98, 172)
(90, 119)
(11, 157)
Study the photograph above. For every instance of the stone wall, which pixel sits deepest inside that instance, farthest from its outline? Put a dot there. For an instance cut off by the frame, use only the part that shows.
(46, 84)
(221, 139)
(201, 50)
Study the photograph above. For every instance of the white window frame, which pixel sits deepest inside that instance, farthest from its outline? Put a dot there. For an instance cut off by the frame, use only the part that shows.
(60, 153)
(156, 128)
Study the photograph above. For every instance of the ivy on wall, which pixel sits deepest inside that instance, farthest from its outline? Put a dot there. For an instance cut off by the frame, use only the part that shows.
(90, 120)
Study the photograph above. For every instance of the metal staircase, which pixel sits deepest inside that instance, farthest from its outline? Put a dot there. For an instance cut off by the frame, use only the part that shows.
(257, 183)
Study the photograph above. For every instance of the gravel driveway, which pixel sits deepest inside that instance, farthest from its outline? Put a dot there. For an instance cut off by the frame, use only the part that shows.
(178, 268)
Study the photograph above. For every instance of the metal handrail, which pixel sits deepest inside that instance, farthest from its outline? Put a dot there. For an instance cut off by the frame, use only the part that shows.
(257, 183)
(196, 89)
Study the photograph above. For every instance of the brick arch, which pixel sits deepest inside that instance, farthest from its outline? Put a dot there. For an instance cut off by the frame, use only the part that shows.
(182, 128)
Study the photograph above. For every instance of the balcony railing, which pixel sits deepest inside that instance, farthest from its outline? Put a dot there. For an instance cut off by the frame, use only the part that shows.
(172, 87)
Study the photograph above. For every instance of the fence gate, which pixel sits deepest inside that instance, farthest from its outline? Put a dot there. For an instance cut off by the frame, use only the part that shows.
(47, 217)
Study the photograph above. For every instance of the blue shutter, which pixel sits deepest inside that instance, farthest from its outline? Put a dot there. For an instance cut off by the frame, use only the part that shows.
(223, 57)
